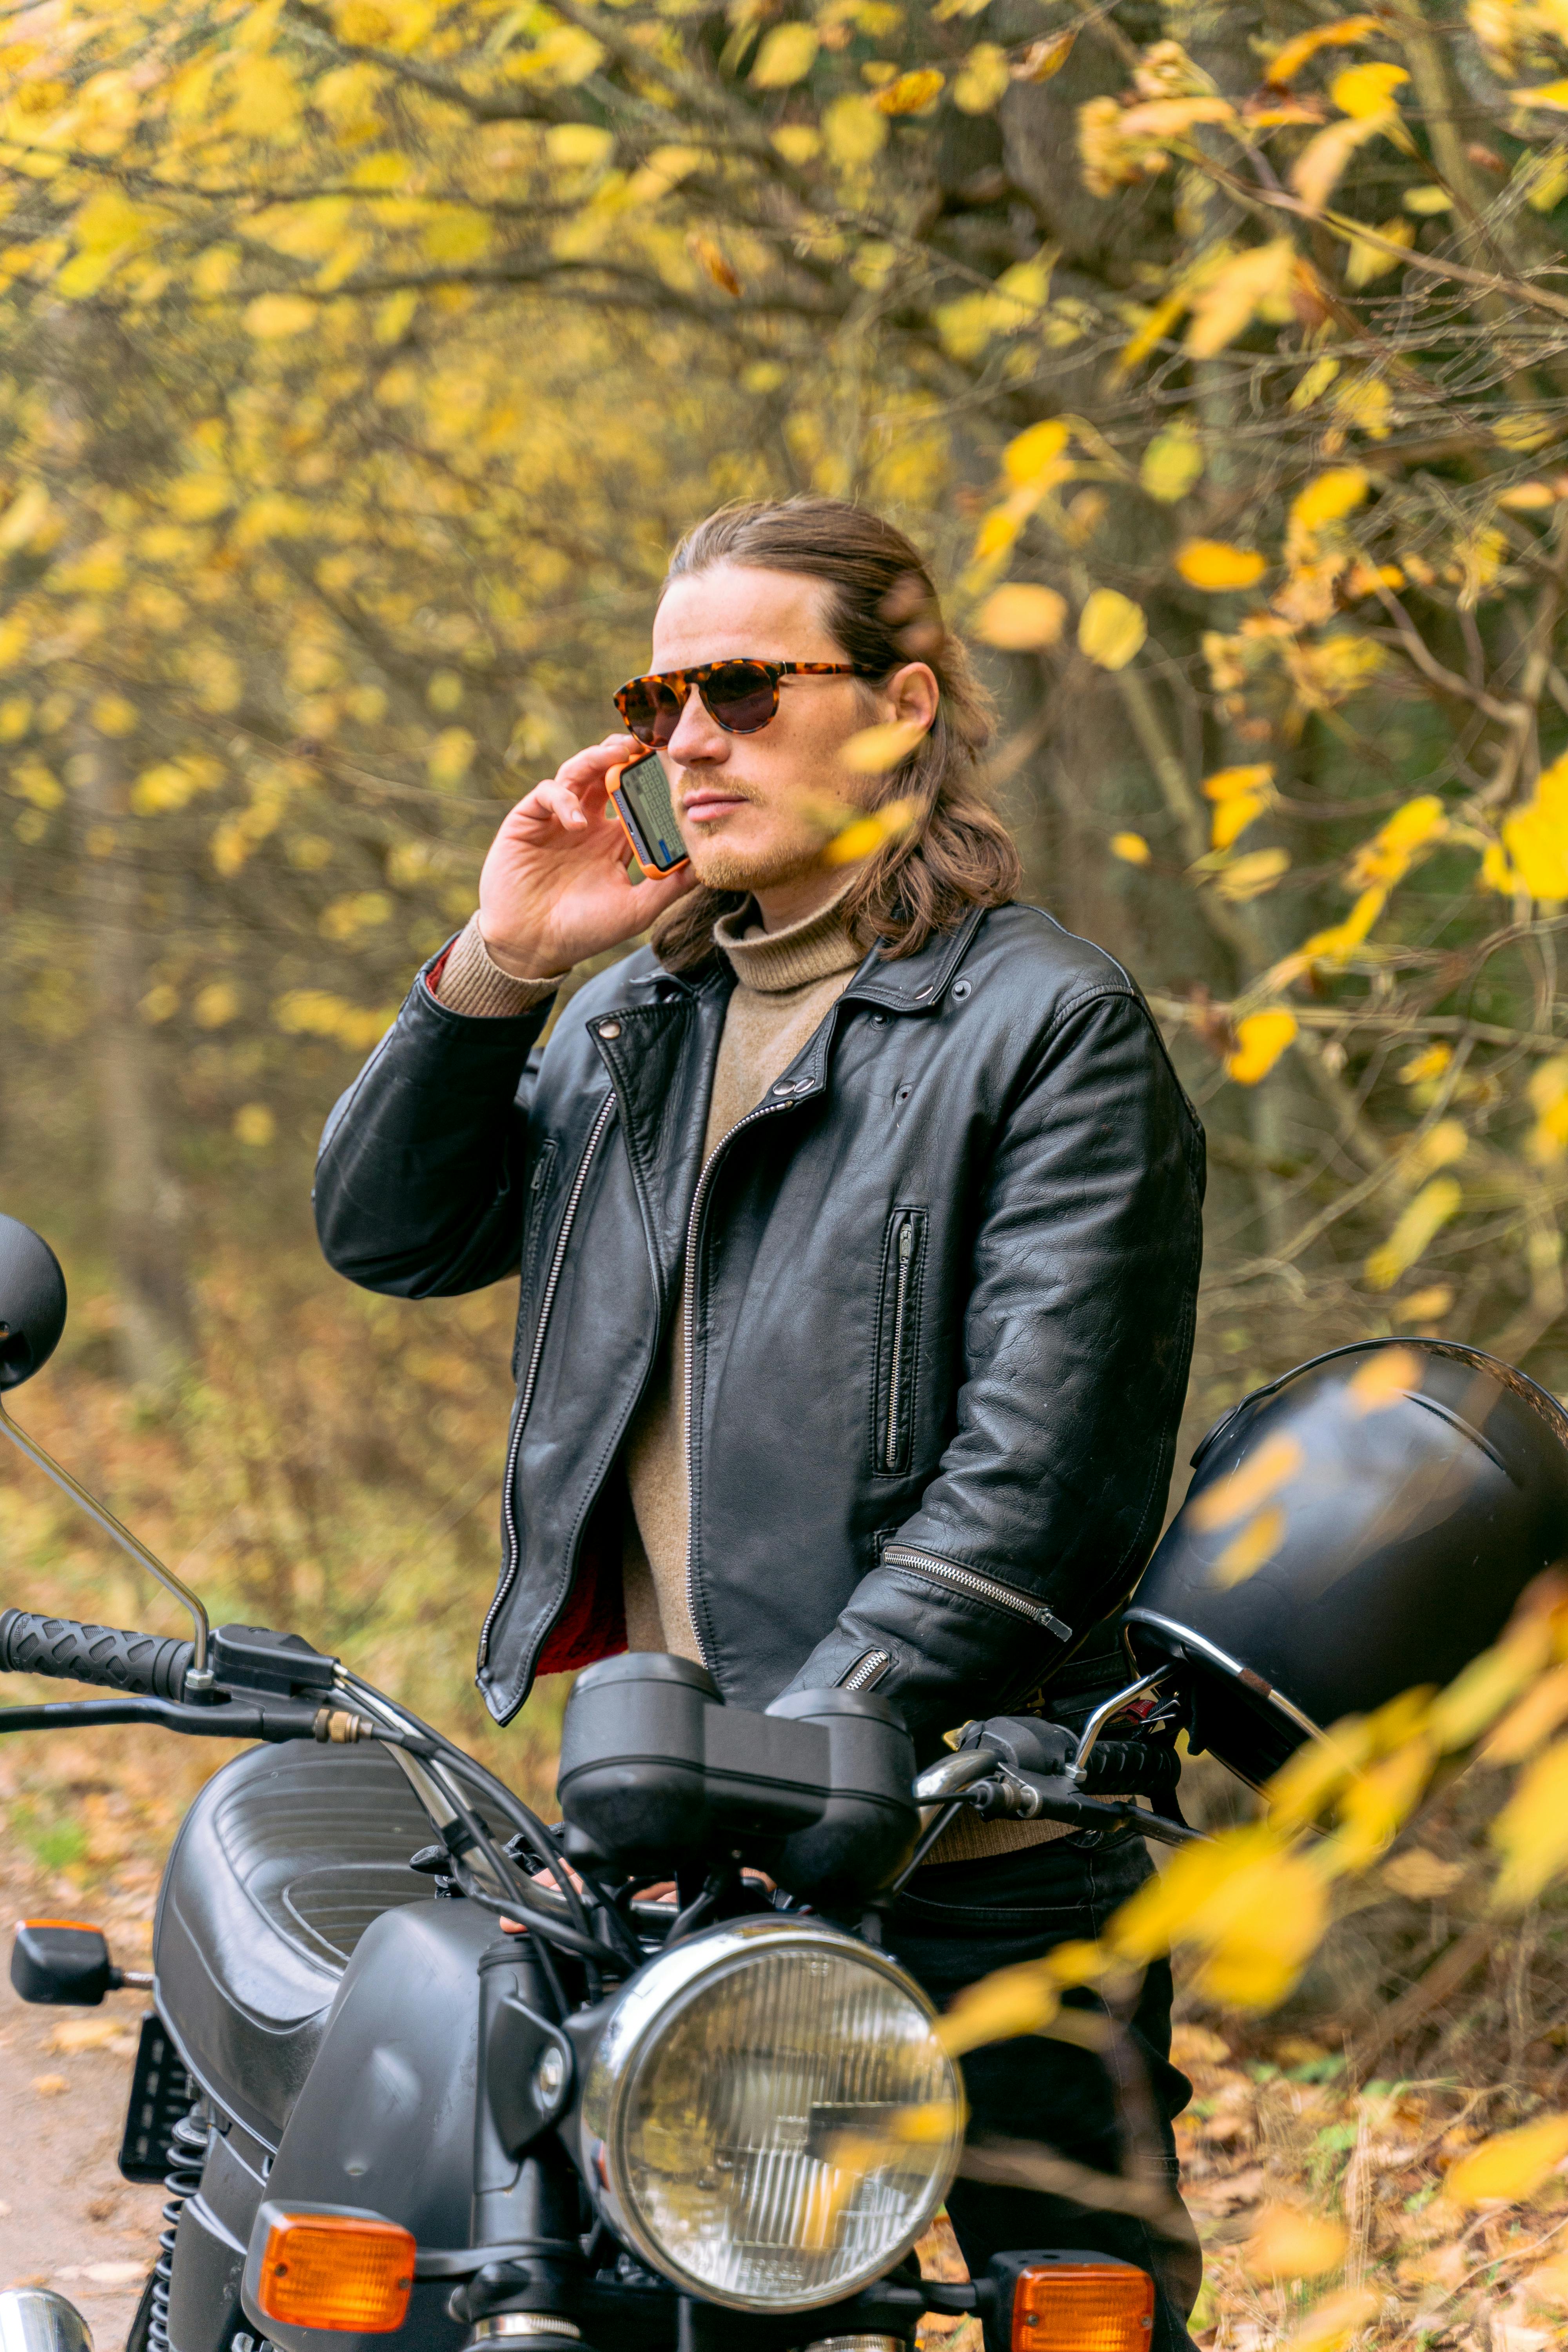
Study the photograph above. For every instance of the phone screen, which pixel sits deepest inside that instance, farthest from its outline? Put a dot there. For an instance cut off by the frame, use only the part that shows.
(652, 811)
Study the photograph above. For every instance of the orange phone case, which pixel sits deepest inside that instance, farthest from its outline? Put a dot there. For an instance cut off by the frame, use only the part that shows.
(613, 785)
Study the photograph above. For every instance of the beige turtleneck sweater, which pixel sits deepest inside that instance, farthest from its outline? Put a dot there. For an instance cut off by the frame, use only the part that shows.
(785, 982)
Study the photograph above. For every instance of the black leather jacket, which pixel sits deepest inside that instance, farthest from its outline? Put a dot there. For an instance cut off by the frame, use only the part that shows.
(939, 1290)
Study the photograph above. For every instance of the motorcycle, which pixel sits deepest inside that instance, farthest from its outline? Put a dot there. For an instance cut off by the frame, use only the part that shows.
(418, 2063)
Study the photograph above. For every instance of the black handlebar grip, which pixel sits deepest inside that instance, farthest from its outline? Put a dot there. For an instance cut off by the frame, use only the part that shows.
(155, 1664)
(1130, 1768)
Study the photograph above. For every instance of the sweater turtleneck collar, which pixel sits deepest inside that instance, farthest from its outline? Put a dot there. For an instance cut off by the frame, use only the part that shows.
(771, 962)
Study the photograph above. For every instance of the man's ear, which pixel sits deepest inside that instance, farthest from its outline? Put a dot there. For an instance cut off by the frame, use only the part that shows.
(911, 695)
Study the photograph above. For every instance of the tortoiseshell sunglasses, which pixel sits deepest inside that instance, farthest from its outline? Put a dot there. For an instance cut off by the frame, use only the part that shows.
(739, 696)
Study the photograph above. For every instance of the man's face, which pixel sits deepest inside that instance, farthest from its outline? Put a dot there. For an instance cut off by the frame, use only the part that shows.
(756, 809)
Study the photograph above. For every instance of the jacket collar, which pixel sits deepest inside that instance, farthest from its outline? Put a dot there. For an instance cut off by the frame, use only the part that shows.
(915, 983)
(643, 1049)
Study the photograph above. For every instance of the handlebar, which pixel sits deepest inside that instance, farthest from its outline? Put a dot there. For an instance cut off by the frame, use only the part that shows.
(1021, 1768)
(153, 1664)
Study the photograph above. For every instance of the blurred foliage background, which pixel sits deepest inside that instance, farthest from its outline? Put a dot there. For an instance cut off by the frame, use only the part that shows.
(361, 363)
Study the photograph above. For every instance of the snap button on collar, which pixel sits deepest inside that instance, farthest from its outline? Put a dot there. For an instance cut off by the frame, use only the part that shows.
(609, 1028)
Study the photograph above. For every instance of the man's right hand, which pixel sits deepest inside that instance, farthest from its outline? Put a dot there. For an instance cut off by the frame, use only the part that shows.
(554, 888)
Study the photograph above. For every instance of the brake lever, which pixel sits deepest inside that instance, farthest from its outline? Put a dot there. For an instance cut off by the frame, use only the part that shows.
(1056, 1797)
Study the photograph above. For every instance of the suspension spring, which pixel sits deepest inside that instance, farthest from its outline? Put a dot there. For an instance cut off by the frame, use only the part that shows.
(187, 2156)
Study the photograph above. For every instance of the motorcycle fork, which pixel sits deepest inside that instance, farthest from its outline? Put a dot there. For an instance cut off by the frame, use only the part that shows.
(526, 2199)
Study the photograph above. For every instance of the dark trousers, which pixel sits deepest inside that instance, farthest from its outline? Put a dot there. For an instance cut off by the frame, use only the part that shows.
(959, 1922)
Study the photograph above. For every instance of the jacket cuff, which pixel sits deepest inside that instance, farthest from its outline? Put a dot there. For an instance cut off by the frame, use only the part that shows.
(467, 979)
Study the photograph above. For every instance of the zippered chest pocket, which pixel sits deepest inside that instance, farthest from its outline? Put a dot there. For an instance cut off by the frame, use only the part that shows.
(896, 1385)
(532, 1228)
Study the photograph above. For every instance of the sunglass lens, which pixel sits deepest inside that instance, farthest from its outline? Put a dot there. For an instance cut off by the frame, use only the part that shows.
(741, 695)
(650, 708)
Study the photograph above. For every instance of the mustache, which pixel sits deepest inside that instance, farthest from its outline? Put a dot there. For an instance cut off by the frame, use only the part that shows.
(691, 786)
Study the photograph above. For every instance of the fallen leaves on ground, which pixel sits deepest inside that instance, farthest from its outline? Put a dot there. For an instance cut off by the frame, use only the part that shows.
(76, 2033)
(1333, 2211)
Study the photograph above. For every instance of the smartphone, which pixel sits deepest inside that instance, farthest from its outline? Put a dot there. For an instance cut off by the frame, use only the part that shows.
(641, 798)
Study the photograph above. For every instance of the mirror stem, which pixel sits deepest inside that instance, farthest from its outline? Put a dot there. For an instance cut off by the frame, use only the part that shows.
(199, 1676)
(1103, 1713)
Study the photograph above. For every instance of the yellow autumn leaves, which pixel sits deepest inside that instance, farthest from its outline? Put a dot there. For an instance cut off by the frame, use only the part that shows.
(1249, 1908)
(1173, 463)
(1366, 94)
(1533, 857)
(1172, 104)
(1511, 2166)
(1261, 1039)
(1240, 794)
(1110, 628)
(1320, 552)
(1416, 1226)
(1288, 2243)
(1021, 617)
(785, 55)
(1252, 1908)
(1214, 563)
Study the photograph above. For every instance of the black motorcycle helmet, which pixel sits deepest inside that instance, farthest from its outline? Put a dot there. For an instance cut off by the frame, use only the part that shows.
(1400, 1493)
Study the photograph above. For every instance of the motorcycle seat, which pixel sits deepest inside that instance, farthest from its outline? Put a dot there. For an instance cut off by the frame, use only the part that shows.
(279, 1866)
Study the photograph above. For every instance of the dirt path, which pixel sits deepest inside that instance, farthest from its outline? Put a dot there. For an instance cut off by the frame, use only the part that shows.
(67, 2218)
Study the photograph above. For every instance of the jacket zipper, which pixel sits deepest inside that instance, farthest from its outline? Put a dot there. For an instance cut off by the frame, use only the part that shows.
(689, 1331)
(982, 1588)
(509, 1512)
(869, 1668)
(901, 1303)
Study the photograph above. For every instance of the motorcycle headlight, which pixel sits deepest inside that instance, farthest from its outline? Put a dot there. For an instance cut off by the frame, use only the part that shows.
(768, 2117)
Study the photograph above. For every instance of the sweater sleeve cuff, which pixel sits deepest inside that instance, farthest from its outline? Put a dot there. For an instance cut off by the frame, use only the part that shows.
(468, 980)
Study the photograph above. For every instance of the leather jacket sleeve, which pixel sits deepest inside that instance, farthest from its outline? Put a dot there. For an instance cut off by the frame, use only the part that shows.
(419, 1181)
(1077, 1341)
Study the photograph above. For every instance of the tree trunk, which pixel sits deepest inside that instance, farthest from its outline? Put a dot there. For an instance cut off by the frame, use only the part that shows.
(145, 1204)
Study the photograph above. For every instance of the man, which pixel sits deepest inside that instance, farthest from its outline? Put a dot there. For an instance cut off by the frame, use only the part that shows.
(859, 1225)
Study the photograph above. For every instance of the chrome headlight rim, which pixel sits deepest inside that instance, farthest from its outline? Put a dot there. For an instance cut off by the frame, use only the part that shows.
(655, 1997)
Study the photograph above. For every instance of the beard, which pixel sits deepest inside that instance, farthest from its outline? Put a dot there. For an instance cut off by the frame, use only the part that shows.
(719, 866)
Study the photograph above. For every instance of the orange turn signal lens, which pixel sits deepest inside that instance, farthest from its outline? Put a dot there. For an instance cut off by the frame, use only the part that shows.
(1082, 2307)
(323, 2270)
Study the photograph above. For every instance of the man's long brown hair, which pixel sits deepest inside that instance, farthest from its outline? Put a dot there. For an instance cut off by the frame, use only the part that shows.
(882, 610)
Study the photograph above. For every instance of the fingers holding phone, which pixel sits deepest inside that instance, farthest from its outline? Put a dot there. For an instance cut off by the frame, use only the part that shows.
(554, 887)
(574, 796)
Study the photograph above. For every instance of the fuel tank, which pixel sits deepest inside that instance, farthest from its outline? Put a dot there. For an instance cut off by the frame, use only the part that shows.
(1362, 1526)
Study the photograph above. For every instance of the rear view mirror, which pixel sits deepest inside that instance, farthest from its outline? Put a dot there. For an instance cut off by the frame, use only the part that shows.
(32, 1302)
(32, 1317)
